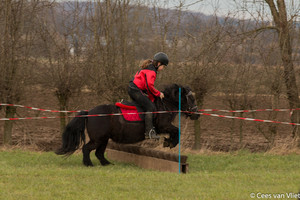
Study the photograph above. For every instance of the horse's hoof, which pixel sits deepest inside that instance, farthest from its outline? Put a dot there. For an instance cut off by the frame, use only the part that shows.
(166, 144)
(88, 164)
(105, 163)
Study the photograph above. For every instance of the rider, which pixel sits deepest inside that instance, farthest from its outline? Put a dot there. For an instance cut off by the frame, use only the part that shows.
(142, 91)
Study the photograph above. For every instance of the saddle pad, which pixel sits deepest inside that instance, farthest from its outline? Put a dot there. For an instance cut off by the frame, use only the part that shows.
(120, 105)
(129, 109)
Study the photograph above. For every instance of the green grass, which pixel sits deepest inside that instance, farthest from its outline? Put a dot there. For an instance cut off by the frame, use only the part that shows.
(32, 175)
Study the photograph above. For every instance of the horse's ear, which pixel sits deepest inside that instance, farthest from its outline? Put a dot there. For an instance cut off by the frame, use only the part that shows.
(184, 90)
(175, 86)
(188, 90)
(175, 93)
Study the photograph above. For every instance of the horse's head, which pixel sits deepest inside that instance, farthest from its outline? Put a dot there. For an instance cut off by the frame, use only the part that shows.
(188, 103)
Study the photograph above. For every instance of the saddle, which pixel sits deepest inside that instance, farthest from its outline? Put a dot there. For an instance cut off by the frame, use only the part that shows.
(131, 107)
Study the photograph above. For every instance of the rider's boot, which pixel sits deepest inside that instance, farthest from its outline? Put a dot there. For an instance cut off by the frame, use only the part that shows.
(150, 132)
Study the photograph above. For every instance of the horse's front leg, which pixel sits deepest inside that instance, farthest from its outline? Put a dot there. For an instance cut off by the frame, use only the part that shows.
(173, 140)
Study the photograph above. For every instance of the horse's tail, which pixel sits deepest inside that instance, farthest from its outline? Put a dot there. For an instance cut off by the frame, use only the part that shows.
(73, 135)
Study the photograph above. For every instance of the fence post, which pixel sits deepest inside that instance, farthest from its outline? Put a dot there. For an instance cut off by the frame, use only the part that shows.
(179, 130)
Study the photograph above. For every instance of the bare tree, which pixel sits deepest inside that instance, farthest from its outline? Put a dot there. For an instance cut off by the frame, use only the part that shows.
(282, 23)
(283, 26)
(60, 29)
(116, 28)
(16, 33)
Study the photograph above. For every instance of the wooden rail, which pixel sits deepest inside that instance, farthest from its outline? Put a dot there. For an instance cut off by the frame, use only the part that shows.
(147, 158)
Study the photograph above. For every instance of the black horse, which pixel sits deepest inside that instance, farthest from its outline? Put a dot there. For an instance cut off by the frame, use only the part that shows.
(101, 129)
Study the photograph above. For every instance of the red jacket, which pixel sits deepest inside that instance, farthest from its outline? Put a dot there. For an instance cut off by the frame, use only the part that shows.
(144, 79)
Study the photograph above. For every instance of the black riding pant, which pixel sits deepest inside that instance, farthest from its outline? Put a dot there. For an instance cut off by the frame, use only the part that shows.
(139, 97)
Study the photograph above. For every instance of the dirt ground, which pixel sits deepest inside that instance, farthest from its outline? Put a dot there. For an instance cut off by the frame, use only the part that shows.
(217, 134)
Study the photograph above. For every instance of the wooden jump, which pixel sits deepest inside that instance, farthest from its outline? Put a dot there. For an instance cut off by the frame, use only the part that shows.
(147, 158)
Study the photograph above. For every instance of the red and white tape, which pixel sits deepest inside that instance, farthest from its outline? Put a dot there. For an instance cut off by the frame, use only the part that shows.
(249, 119)
(248, 111)
(33, 108)
(201, 110)
(39, 109)
(95, 115)
(119, 114)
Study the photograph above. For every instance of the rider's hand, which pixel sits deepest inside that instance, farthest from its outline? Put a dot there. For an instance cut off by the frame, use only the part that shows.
(161, 95)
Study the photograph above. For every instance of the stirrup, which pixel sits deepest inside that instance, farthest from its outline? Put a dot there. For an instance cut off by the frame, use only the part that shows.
(152, 134)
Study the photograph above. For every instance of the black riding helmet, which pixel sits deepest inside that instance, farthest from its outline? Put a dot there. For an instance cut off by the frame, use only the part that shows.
(162, 58)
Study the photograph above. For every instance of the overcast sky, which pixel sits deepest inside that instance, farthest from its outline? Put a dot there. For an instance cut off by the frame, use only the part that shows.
(211, 7)
(225, 7)
(234, 7)
(205, 6)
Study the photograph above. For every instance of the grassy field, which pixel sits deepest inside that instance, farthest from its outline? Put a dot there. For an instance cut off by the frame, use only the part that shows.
(34, 175)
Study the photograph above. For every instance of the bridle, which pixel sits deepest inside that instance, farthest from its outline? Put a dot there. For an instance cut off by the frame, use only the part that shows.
(190, 108)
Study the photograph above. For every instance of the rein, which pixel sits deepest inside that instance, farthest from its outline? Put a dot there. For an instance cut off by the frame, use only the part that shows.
(164, 105)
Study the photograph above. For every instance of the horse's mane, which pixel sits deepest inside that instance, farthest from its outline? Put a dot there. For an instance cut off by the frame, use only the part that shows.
(171, 87)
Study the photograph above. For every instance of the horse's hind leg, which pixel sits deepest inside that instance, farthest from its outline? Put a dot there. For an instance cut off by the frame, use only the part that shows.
(100, 153)
(86, 150)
